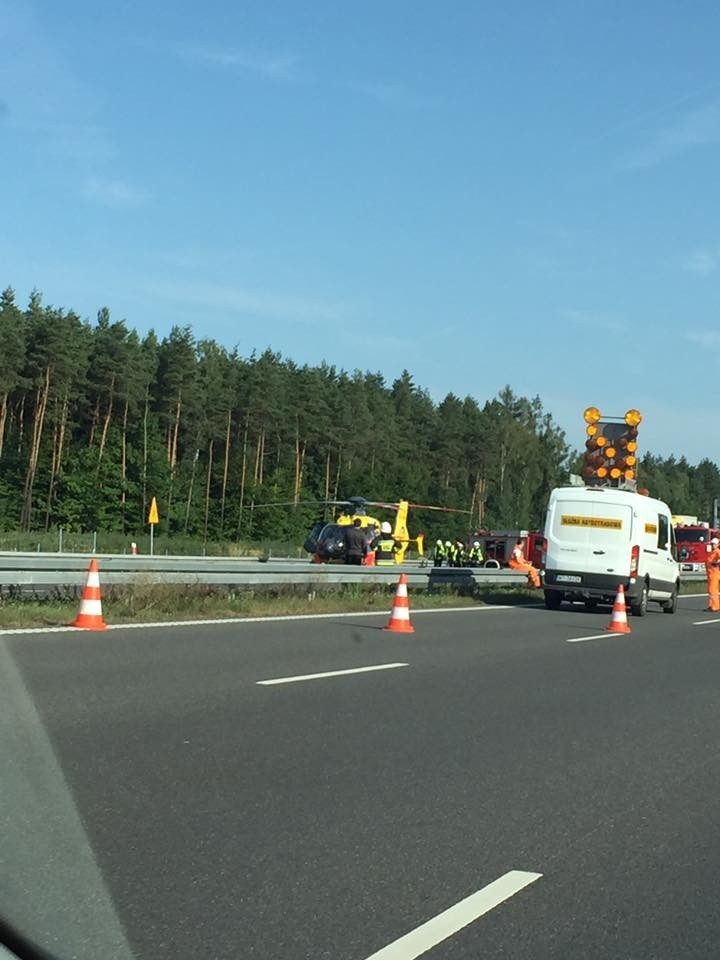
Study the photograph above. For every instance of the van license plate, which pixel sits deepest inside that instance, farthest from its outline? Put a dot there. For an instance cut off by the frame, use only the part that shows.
(567, 578)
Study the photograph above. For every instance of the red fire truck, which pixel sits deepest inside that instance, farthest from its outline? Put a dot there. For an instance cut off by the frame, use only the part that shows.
(693, 545)
(497, 545)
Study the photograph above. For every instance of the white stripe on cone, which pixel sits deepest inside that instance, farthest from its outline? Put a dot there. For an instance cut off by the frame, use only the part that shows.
(400, 613)
(619, 614)
(91, 608)
(93, 579)
(401, 590)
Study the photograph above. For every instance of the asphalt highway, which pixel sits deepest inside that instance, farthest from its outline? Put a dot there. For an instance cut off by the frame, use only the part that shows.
(573, 786)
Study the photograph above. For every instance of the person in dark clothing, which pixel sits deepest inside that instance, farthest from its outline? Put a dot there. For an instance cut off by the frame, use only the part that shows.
(355, 543)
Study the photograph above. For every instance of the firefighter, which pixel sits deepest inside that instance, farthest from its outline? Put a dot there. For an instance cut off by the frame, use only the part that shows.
(385, 546)
(475, 555)
(712, 565)
(459, 558)
(518, 562)
(439, 554)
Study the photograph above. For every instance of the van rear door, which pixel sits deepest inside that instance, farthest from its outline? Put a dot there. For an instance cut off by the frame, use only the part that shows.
(659, 554)
(590, 533)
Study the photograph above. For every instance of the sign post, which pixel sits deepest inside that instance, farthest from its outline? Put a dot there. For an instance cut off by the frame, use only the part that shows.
(153, 518)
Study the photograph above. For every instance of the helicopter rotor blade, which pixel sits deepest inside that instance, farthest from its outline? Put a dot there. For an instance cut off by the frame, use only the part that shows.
(416, 506)
(286, 503)
(427, 506)
(349, 503)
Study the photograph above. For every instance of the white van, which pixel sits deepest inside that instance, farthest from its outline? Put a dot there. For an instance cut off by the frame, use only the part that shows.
(600, 537)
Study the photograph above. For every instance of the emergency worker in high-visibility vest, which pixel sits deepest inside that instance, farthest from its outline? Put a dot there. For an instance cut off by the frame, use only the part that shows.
(385, 546)
(475, 555)
(461, 558)
(712, 566)
(518, 562)
(439, 553)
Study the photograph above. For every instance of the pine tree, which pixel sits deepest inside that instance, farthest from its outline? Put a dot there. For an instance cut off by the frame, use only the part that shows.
(175, 393)
(12, 354)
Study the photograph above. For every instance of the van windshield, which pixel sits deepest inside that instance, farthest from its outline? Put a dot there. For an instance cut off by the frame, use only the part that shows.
(692, 536)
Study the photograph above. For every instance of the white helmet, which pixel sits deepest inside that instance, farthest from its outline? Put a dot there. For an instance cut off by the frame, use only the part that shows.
(477, 544)
(386, 528)
(715, 541)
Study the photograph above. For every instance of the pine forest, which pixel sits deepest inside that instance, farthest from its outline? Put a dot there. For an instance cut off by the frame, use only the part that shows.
(95, 420)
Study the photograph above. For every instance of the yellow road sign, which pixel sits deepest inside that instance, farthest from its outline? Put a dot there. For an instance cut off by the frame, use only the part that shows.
(153, 517)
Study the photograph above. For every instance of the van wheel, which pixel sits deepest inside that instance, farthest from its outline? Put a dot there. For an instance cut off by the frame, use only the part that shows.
(553, 599)
(638, 607)
(670, 606)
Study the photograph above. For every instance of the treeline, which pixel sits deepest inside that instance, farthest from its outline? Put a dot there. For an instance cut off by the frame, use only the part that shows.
(96, 420)
(687, 489)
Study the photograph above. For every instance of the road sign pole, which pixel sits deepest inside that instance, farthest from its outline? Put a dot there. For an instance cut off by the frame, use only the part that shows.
(153, 518)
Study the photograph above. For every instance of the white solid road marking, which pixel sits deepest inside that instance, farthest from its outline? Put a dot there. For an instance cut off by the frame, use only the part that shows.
(289, 617)
(701, 623)
(445, 924)
(330, 673)
(595, 636)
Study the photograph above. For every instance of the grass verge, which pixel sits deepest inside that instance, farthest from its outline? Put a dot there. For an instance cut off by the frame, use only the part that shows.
(149, 602)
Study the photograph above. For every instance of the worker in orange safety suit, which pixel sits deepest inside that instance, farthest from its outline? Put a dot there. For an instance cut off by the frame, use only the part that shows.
(712, 566)
(518, 562)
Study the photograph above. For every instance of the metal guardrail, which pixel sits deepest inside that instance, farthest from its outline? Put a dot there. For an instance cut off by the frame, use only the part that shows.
(44, 570)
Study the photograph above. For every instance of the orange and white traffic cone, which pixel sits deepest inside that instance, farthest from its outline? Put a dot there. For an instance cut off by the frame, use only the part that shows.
(90, 616)
(618, 620)
(399, 621)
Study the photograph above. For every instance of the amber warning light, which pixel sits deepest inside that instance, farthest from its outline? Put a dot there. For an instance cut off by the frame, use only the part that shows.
(611, 447)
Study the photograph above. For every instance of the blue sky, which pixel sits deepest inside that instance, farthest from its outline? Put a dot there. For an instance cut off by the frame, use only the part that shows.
(483, 193)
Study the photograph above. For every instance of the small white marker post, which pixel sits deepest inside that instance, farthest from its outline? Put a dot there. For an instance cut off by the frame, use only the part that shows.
(153, 518)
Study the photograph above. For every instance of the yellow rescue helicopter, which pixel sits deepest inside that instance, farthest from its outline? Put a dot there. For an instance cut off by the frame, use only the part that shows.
(325, 541)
